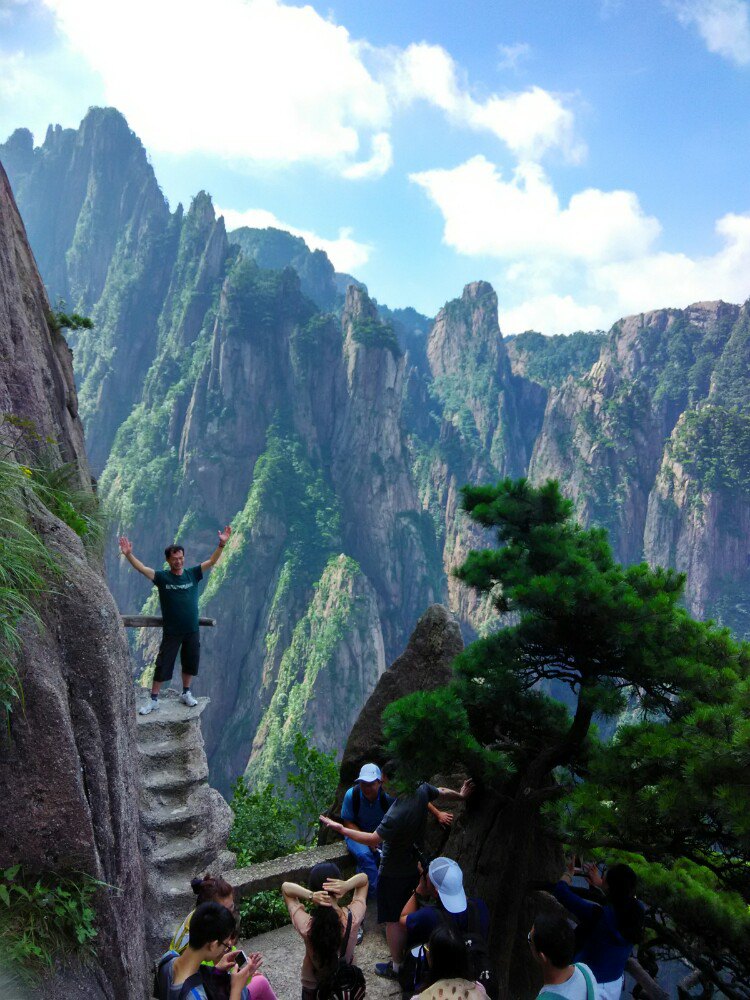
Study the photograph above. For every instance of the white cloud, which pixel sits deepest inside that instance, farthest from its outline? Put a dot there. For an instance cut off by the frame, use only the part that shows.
(530, 123)
(379, 163)
(254, 80)
(600, 247)
(511, 55)
(345, 253)
(267, 82)
(724, 25)
(523, 217)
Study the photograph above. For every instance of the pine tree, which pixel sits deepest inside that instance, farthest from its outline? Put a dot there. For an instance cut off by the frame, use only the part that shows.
(670, 791)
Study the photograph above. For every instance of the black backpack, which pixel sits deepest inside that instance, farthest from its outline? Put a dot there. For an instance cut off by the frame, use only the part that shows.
(479, 960)
(348, 981)
(186, 989)
(383, 799)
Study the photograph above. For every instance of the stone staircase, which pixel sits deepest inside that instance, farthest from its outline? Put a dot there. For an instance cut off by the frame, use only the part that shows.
(184, 822)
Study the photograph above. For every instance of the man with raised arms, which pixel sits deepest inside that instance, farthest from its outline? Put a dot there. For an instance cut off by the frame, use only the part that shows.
(178, 598)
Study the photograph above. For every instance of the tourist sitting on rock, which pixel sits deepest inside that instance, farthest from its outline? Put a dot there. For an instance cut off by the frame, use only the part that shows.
(207, 889)
(401, 833)
(214, 889)
(449, 968)
(606, 935)
(439, 896)
(213, 930)
(178, 599)
(364, 806)
(330, 931)
(552, 943)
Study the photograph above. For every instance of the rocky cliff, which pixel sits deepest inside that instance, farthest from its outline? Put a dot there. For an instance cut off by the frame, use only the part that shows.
(67, 778)
(238, 377)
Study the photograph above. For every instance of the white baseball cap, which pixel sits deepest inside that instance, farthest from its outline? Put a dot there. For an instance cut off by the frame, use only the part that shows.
(448, 879)
(370, 772)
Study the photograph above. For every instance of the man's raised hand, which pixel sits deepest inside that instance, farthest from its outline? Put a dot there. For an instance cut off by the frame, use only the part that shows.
(126, 546)
(224, 535)
(336, 827)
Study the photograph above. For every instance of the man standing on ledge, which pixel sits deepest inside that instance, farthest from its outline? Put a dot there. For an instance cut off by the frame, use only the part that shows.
(178, 598)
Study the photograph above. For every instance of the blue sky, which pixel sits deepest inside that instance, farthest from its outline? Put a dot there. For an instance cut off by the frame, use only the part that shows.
(588, 157)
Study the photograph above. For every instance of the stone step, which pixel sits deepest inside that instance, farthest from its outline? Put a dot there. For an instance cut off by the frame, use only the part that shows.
(157, 755)
(175, 777)
(182, 853)
(184, 817)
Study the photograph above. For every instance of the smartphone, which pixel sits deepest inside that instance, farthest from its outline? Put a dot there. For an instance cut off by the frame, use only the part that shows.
(240, 959)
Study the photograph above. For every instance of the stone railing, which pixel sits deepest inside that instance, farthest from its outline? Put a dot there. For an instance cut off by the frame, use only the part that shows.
(290, 868)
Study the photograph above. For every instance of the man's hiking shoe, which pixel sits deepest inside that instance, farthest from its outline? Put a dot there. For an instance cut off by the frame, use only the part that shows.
(385, 969)
(360, 933)
(187, 699)
(150, 706)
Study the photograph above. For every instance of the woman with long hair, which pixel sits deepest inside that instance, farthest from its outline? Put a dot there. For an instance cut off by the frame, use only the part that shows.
(607, 933)
(449, 967)
(325, 929)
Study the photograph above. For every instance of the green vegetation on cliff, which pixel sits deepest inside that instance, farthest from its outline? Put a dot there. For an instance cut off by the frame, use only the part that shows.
(670, 788)
(549, 360)
(373, 333)
(332, 614)
(712, 445)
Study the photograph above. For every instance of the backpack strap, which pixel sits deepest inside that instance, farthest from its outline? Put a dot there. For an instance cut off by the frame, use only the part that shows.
(356, 800)
(383, 799)
(589, 982)
(347, 932)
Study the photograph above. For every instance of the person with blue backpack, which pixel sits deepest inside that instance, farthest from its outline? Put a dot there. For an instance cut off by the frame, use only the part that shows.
(213, 931)
(552, 944)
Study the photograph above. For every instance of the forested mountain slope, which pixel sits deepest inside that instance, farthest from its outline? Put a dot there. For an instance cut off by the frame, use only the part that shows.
(229, 377)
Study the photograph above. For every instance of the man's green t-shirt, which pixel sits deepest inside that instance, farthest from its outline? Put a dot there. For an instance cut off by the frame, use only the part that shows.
(178, 597)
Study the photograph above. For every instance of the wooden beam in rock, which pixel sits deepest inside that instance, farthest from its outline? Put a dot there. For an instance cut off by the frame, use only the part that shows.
(153, 621)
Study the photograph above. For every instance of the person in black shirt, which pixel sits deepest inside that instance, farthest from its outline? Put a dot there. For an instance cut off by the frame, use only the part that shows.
(178, 598)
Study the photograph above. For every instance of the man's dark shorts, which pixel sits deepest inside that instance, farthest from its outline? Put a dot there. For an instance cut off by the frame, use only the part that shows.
(393, 894)
(189, 647)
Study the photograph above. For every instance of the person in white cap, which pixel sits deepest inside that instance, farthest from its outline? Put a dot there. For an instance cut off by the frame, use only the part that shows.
(443, 883)
(364, 806)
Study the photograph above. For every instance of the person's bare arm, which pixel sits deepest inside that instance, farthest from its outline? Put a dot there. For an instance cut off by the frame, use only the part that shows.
(412, 903)
(340, 887)
(216, 554)
(466, 790)
(126, 547)
(347, 823)
(290, 890)
(369, 839)
(443, 818)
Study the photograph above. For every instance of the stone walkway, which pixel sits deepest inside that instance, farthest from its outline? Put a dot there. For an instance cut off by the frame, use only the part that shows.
(283, 950)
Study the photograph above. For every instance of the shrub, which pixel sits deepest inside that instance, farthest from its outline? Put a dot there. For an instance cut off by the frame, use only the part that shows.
(46, 916)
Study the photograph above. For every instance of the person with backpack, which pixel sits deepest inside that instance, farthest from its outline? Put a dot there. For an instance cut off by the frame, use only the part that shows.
(402, 833)
(213, 930)
(440, 898)
(329, 932)
(606, 935)
(552, 944)
(449, 968)
(364, 806)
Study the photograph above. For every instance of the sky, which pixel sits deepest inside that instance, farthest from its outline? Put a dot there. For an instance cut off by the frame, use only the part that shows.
(589, 158)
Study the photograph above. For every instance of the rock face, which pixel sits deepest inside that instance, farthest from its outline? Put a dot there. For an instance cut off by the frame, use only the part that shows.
(214, 388)
(184, 822)
(67, 779)
(424, 665)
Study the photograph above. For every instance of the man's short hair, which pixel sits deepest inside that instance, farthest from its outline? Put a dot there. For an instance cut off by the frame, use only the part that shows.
(211, 922)
(171, 549)
(554, 937)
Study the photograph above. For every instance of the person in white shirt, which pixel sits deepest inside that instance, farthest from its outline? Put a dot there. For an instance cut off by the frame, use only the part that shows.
(552, 944)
